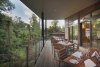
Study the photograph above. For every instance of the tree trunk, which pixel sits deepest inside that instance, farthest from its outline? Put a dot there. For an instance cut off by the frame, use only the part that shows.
(8, 33)
(29, 33)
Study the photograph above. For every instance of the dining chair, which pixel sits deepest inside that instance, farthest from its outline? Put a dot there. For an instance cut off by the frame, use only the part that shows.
(57, 47)
(72, 48)
(62, 55)
(53, 41)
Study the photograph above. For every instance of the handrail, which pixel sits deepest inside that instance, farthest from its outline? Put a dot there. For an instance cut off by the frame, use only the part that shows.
(22, 55)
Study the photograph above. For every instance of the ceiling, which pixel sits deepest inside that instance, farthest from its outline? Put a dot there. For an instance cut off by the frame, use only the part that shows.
(57, 9)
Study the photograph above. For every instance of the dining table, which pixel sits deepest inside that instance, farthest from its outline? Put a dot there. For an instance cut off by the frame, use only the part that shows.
(83, 58)
(67, 45)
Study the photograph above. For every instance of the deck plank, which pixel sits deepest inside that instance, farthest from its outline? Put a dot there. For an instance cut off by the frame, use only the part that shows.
(46, 58)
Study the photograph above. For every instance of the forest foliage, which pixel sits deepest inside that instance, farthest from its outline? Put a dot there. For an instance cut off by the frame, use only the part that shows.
(54, 28)
(15, 35)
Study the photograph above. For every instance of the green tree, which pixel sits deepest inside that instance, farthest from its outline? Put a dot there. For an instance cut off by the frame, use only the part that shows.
(6, 5)
(20, 30)
(63, 29)
(54, 28)
(36, 31)
(54, 25)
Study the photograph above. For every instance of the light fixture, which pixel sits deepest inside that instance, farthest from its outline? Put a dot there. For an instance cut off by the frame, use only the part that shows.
(83, 26)
(94, 25)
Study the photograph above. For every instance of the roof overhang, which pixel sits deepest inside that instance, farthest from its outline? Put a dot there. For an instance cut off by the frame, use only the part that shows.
(57, 9)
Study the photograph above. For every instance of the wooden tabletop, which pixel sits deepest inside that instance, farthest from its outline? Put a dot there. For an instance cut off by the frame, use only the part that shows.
(83, 58)
(66, 44)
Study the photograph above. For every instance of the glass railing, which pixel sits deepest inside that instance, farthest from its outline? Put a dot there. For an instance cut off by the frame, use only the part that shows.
(21, 55)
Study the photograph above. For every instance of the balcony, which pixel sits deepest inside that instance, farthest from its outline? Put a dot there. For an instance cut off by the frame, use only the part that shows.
(36, 53)
(47, 59)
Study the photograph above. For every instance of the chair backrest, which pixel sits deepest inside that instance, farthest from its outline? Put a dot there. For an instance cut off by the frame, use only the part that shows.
(74, 47)
(54, 41)
(62, 54)
(57, 46)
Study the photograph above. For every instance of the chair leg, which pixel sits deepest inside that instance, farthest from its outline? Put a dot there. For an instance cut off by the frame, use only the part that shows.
(59, 63)
(52, 49)
(65, 65)
(54, 53)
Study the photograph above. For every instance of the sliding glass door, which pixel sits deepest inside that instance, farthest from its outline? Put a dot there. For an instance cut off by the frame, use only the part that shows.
(96, 33)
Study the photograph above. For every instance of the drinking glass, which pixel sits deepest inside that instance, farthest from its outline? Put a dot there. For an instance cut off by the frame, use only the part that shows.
(98, 61)
(88, 52)
(83, 55)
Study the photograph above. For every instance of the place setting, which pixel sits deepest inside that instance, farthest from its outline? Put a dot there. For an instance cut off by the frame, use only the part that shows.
(77, 58)
(86, 58)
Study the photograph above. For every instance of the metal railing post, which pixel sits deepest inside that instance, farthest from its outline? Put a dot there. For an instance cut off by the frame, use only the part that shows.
(26, 56)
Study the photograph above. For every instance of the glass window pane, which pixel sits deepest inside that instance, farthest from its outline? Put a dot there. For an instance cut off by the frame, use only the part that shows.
(96, 12)
(75, 31)
(71, 33)
(96, 33)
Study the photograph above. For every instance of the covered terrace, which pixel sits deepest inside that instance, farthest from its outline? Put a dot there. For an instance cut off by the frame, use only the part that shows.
(75, 13)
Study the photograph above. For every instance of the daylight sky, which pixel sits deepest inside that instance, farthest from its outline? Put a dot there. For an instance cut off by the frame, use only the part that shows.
(25, 13)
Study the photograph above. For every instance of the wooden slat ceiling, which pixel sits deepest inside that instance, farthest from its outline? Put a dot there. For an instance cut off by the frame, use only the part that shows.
(57, 9)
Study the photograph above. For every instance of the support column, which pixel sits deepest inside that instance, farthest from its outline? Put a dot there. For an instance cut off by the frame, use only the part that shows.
(69, 33)
(72, 33)
(79, 31)
(42, 16)
(80, 34)
(46, 29)
(66, 30)
(91, 31)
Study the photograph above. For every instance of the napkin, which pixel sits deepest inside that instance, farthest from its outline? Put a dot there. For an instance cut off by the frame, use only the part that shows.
(60, 42)
(73, 61)
(77, 54)
(95, 54)
(89, 63)
(69, 43)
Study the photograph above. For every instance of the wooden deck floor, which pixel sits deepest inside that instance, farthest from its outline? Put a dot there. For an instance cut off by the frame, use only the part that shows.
(46, 58)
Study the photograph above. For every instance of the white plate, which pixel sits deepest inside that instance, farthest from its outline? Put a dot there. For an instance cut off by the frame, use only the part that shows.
(73, 61)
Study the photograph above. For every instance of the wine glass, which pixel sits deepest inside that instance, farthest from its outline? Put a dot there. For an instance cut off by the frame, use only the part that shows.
(83, 54)
(88, 52)
(78, 60)
(99, 53)
(98, 61)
